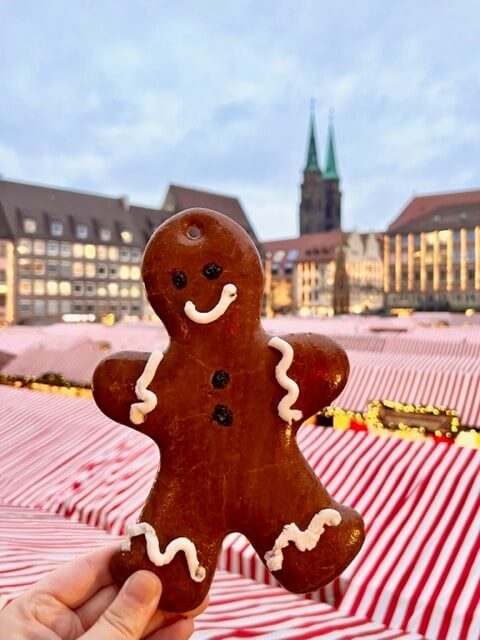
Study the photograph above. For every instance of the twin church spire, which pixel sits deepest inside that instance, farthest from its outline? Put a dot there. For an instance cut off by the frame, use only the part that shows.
(312, 163)
(320, 206)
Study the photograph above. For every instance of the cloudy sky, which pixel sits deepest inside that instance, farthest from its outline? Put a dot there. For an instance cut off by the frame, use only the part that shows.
(126, 97)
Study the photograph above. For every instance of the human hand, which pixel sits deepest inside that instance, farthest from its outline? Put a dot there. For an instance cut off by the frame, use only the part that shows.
(79, 601)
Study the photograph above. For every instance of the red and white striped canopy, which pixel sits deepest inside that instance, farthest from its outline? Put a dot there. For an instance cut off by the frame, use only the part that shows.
(420, 501)
(33, 543)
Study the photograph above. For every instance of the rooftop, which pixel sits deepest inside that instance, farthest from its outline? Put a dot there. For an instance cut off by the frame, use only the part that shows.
(433, 211)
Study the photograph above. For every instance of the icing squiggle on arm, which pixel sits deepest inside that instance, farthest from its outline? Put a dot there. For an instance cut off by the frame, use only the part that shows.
(148, 399)
(303, 540)
(159, 559)
(228, 295)
(293, 391)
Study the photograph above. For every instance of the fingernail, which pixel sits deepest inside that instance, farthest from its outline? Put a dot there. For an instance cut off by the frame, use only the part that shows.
(143, 587)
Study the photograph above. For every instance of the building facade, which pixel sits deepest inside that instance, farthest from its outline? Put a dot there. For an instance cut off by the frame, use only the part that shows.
(432, 254)
(66, 255)
(320, 203)
(320, 273)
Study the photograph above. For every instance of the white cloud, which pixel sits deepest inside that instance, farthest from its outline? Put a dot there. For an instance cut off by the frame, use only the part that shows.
(125, 98)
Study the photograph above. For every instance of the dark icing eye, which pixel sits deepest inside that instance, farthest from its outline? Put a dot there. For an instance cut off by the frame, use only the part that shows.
(220, 379)
(179, 279)
(212, 270)
(223, 415)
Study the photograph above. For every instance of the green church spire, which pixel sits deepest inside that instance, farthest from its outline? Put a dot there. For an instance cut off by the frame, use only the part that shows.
(312, 160)
(331, 172)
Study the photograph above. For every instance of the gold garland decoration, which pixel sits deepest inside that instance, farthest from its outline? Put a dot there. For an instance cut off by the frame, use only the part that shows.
(48, 383)
(371, 421)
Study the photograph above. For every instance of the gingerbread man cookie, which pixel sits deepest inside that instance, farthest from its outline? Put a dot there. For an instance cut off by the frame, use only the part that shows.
(224, 404)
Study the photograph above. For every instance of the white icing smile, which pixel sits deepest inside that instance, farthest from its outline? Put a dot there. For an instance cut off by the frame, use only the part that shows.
(159, 559)
(228, 295)
(148, 399)
(303, 540)
(293, 391)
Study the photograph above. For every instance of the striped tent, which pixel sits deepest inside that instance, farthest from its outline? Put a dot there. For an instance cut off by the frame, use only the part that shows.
(419, 500)
(33, 542)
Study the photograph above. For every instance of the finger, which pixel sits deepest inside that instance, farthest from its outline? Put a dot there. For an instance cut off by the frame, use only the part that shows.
(128, 615)
(77, 581)
(180, 630)
(91, 610)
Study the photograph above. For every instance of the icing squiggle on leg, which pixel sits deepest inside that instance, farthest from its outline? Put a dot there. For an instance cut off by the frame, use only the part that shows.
(303, 540)
(139, 410)
(159, 559)
(293, 391)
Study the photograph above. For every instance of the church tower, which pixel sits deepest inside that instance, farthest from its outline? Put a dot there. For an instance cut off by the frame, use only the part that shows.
(331, 185)
(320, 204)
(311, 203)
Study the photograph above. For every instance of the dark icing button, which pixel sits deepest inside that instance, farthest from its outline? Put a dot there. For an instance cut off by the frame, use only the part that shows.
(220, 379)
(223, 415)
(212, 270)
(179, 279)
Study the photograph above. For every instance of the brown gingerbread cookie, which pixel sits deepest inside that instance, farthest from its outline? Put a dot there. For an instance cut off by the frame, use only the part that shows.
(224, 404)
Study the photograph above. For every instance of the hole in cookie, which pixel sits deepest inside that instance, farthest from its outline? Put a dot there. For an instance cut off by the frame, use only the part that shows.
(212, 270)
(223, 415)
(179, 280)
(194, 232)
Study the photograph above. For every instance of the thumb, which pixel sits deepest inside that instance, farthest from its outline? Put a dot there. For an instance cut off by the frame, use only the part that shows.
(130, 612)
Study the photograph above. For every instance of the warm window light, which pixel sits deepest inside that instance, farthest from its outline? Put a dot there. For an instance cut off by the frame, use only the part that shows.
(78, 317)
(124, 273)
(90, 270)
(113, 289)
(127, 236)
(52, 288)
(77, 268)
(89, 251)
(29, 225)
(65, 288)
(108, 319)
(39, 287)
(78, 250)
(444, 235)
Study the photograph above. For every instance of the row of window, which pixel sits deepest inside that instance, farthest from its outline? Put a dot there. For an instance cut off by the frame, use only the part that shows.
(65, 269)
(416, 298)
(66, 288)
(442, 273)
(81, 230)
(53, 248)
(55, 307)
(430, 237)
(429, 257)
